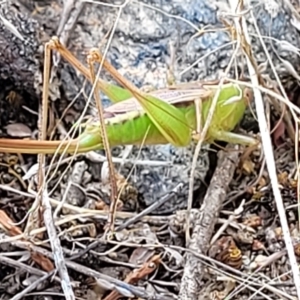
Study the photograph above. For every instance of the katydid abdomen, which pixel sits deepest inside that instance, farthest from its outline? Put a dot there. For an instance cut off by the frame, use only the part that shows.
(135, 130)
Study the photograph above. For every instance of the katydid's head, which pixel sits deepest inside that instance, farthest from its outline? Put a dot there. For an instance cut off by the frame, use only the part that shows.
(232, 102)
(236, 93)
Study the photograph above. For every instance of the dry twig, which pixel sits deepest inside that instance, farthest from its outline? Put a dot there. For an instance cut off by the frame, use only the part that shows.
(205, 223)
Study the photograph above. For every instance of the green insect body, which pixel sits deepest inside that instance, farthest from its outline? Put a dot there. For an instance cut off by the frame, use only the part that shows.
(164, 116)
(135, 128)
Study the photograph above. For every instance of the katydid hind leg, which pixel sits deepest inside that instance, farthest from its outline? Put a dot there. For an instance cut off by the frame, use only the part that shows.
(113, 92)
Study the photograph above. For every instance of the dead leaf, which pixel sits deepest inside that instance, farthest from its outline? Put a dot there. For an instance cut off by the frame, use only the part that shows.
(248, 166)
(139, 255)
(19, 130)
(278, 134)
(7, 224)
(13, 230)
(44, 262)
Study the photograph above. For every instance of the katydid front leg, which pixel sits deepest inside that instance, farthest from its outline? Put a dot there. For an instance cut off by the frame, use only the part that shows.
(233, 138)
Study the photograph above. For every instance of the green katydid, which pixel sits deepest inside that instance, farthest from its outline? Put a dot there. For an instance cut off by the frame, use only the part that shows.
(160, 117)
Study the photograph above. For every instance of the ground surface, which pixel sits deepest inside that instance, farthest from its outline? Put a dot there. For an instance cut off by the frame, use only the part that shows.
(141, 49)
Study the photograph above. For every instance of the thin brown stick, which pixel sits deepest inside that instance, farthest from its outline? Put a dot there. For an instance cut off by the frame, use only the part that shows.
(42, 127)
(42, 189)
